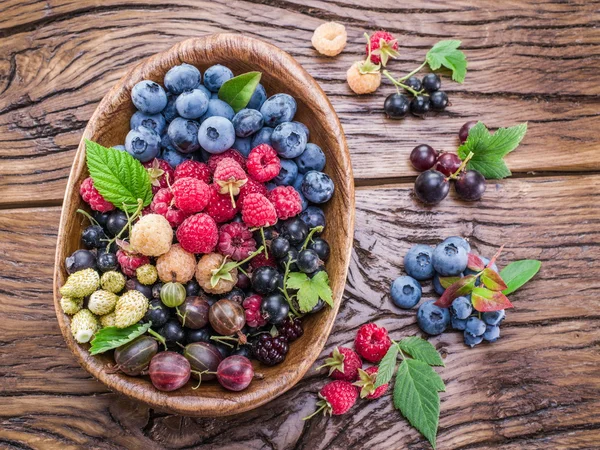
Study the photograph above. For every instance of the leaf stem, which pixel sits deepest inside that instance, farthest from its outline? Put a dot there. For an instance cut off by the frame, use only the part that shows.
(89, 217)
(495, 257)
(461, 167)
(158, 337)
(284, 289)
(397, 83)
(406, 77)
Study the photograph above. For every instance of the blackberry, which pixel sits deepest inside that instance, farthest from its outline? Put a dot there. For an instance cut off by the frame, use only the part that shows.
(270, 350)
(291, 329)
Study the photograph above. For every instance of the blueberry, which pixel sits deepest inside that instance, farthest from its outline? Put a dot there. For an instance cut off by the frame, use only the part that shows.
(93, 236)
(461, 307)
(494, 317)
(449, 259)
(170, 112)
(472, 340)
(216, 134)
(304, 128)
(289, 139)
(192, 104)
(116, 222)
(298, 182)
(149, 97)
(262, 136)
(213, 95)
(406, 292)
(247, 122)
(173, 157)
(317, 187)
(313, 216)
(486, 261)
(183, 134)
(143, 144)
(219, 108)
(458, 324)
(459, 242)
(475, 326)
(107, 261)
(258, 97)
(312, 158)
(79, 260)
(243, 145)
(417, 262)
(121, 148)
(156, 122)
(215, 76)
(432, 319)
(492, 333)
(278, 108)
(437, 286)
(287, 174)
(303, 200)
(184, 77)
(320, 246)
(270, 186)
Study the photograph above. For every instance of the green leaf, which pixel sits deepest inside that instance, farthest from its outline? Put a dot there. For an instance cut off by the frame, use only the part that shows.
(446, 53)
(310, 290)
(517, 273)
(238, 90)
(113, 337)
(492, 280)
(416, 396)
(485, 300)
(422, 350)
(119, 177)
(321, 283)
(387, 366)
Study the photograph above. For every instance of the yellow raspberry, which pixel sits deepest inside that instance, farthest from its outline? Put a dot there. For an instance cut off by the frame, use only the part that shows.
(83, 326)
(176, 265)
(146, 274)
(330, 38)
(102, 302)
(151, 235)
(130, 309)
(204, 273)
(108, 320)
(362, 83)
(70, 305)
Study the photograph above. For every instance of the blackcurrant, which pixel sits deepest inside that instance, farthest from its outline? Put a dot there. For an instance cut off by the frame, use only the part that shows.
(431, 82)
(133, 284)
(201, 335)
(156, 290)
(396, 106)
(79, 260)
(463, 134)
(308, 261)
(423, 157)
(275, 308)
(116, 222)
(448, 163)
(93, 236)
(279, 247)
(268, 232)
(264, 280)
(438, 100)
(192, 288)
(294, 230)
(419, 106)
(173, 333)
(237, 295)
(413, 82)
(291, 255)
(157, 313)
(470, 185)
(107, 261)
(320, 246)
(431, 187)
(101, 217)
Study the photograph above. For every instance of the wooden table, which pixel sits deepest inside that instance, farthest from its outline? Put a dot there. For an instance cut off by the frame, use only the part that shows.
(538, 387)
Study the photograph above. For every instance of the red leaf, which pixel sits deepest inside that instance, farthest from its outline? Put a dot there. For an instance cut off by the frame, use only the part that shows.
(475, 263)
(493, 280)
(485, 300)
(446, 282)
(461, 287)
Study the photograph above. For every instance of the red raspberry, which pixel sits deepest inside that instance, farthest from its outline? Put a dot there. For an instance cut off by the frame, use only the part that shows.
(161, 174)
(129, 262)
(214, 160)
(263, 163)
(198, 234)
(220, 207)
(230, 177)
(372, 342)
(366, 383)
(190, 194)
(193, 169)
(250, 187)
(254, 317)
(261, 260)
(381, 52)
(336, 398)
(286, 200)
(258, 211)
(162, 204)
(343, 364)
(235, 241)
(93, 198)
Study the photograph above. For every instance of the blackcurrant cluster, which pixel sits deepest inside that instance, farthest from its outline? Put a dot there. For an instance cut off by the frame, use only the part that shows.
(426, 96)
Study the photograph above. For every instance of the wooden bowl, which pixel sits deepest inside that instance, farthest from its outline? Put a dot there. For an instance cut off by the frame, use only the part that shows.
(109, 126)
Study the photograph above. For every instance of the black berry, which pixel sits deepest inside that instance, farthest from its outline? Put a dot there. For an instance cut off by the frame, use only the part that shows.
(107, 261)
(291, 329)
(423, 157)
(413, 82)
(431, 187)
(396, 106)
(93, 237)
(264, 280)
(275, 308)
(431, 82)
(79, 260)
(294, 230)
(116, 222)
(470, 185)
(419, 106)
(279, 247)
(308, 261)
(448, 163)
(438, 100)
(320, 246)
(157, 313)
(173, 333)
(463, 134)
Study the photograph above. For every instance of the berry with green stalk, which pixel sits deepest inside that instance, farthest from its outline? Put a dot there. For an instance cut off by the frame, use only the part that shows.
(364, 77)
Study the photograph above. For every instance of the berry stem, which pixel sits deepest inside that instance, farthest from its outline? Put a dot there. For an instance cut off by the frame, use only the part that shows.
(461, 167)
(308, 239)
(321, 408)
(397, 83)
(222, 339)
(89, 217)
(406, 77)
(284, 289)
(158, 337)
(262, 235)
(130, 219)
(232, 197)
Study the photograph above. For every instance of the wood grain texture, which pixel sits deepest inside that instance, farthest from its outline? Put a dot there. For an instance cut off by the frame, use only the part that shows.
(537, 387)
(532, 61)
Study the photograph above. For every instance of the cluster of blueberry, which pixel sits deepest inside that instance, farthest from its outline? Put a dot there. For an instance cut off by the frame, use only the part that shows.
(448, 259)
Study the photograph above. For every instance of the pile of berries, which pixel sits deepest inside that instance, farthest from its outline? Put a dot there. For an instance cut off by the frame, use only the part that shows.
(236, 208)
(448, 259)
(346, 369)
(437, 169)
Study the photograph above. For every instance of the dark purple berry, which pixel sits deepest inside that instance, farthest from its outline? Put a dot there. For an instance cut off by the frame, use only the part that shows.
(448, 163)
(463, 134)
(396, 106)
(431, 82)
(291, 329)
(419, 106)
(431, 187)
(438, 100)
(470, 185)
(423, 157)
(270, 350)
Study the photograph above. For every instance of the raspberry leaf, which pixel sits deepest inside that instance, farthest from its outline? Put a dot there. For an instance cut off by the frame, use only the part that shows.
(462, 287)
(485, 300)
(119, 177)
(310, 290)
(517, 273)
(492, 280)
(237, 91)
(387, 366)
(446, 53)
(475, 263)
(421, 350)
(112, 337)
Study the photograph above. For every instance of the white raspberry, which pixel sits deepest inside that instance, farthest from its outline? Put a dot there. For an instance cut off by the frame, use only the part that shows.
(130, 309)
(152, 235)
(176, 265)
(108, 320)
(330, 38)
(71, 305)
(102, 302)
(83, 326)
(362, 83)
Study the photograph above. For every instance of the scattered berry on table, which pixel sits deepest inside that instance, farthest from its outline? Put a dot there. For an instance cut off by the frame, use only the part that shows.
(366, 383)
(432, 319)
(423, 157)
(372, 342)
(92, 197)
(458, 324)
(448, 163)
(470, 185)
(383, 45)
(458, 241)
(270, 350)
(396, 106)
(336, 398)
(492, 333)
(343, 364)
(463, 133)
(493, 318)
(419, 105)
(431, 82)
(329, 38)
(461, 308)
(472, 340)
(405, 292)
(437, 285)
(198, 234)
(431, 187)
(418, 262)
(362, 83)
(449, 259)
(414, 83)
(438, 100)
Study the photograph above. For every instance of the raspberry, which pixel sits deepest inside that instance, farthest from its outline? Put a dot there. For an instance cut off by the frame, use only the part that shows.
(254, 317)
(129, 262)
(343, 364)
(161, 174)
(250, 187)
(130, 309)
(190, 194)
(162, 204)
(336, 398)
(152, 235)
(83, 326)
(204, 273)
(70, 305)
(193, 169)
(286, 200)
(235, 241)
(102, 302)
(372, 342)
(362, 83)
(329, 38)
(220, 207)
(92, 197)
(270, 350)
(366, 383)
(263, 163)
(383, 46)
(230, 177)
(214, 160)
(258, 211)
(261, 260)
(81, 284)
(291, 329)
(176, 265)
(198, 234)
(146, 274)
